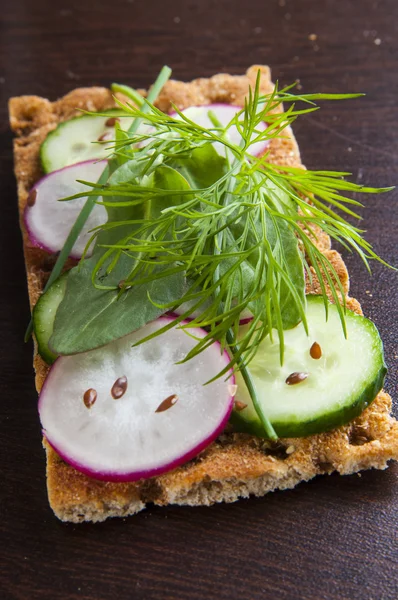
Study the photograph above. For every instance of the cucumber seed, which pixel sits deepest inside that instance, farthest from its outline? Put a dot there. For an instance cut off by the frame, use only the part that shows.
(315, 351)
(167, 403)
(89, 397)
(296, 377)
(119, 387)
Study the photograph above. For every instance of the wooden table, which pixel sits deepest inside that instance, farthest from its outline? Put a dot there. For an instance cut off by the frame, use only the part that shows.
(333, 538)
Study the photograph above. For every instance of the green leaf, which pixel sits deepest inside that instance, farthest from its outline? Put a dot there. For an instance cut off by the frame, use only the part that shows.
(89, 317)
(162, 178)
(294, 268)
(279, 196)
(283, 244)
(202, 167)
(128, 172)
(121, 136)
(167, 178)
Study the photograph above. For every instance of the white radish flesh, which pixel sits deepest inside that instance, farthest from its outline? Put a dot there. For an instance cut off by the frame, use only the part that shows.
(224, 113)
(165, 416)
(48, 221)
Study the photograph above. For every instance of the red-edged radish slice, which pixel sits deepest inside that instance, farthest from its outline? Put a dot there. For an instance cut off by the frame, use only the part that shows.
(48, 222)
(224, 114)
(120, 413)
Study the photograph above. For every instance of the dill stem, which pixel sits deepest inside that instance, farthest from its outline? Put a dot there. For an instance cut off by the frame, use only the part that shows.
(85, 212)
(248, 379)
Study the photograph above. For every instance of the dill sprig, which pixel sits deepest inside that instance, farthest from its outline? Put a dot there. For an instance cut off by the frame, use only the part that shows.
(241, 221)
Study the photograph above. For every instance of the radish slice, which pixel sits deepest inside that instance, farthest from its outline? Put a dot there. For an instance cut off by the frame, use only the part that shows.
(224, 114)
(120, 413)
(48, 221)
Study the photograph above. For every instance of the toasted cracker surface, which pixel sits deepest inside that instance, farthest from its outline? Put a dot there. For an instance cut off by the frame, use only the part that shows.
(236, 465)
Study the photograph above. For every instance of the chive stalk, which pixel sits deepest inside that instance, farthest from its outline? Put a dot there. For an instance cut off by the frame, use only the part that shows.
(129, 92)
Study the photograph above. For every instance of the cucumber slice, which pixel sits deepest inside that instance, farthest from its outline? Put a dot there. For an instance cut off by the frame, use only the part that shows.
(73, 141)
(44, 315)
(340, 384)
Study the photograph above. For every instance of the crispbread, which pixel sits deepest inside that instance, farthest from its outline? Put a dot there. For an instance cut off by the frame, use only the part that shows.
(236, 465)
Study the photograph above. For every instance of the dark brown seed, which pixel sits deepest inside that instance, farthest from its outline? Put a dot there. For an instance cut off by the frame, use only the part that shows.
(32, 198)
(167, 403)
(121, 283)
(119, 387)
(315, 351)
(89, 397)
(238, 405)
(104, 137)
(111, 121)
(296, 378)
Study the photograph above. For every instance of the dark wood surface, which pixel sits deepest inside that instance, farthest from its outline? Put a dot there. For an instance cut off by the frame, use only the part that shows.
(333, 538)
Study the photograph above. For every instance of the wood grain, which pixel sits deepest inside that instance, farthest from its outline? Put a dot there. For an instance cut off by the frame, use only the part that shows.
(333, 538)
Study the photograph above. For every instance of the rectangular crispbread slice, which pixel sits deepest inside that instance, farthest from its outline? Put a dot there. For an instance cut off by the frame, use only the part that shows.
(236, 465)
